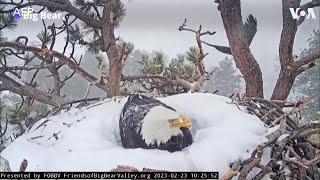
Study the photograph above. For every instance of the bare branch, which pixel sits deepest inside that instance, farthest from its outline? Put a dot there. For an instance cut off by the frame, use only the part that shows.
(26, 90)
(23, 166)
(3, 131)
(311, 4)
(33, 67)
(65, 60)
(307, 62)
(202, 55)
(232, 172)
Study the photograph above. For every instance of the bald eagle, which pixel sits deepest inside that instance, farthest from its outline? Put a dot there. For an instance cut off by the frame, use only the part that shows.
(150, 124)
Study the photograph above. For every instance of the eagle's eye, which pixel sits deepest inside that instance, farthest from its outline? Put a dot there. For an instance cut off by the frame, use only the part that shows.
(180, 122)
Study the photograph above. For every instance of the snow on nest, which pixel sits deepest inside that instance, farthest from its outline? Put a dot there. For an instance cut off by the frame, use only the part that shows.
(89, 140)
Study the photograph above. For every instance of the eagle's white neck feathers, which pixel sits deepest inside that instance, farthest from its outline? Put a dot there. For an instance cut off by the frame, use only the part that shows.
(155, 125)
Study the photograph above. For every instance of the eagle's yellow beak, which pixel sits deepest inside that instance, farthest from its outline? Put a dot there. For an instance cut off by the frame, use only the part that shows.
(181, 122)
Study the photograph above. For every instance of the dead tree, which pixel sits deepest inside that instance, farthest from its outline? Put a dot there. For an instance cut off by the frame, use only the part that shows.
(174, 85)
(240, 36)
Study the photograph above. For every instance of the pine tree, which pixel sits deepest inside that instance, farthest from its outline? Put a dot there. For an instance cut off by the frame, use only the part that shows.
(224, 80)
(179, 67)
(22, 115)
(307, 85)
(153, 63)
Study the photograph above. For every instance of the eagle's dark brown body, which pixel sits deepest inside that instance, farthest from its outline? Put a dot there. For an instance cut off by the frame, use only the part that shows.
(134, 111)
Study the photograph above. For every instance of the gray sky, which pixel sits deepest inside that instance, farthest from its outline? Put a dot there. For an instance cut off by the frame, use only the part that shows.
(153, 25)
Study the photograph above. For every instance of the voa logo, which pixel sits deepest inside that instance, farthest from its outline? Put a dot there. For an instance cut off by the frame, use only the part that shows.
(296, 12)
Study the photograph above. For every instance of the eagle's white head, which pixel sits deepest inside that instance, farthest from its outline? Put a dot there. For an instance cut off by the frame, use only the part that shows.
(160, 123)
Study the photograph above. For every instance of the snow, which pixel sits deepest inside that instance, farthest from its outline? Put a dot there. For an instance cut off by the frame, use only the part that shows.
(89, 140)
(3, 93)
(282, 137)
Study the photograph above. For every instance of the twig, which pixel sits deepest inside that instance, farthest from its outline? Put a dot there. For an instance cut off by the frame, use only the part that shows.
(23, 165)
(232, 172)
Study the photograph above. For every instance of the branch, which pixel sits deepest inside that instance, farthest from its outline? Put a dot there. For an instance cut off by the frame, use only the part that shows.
(131, 78)
(307, 62)
(182, 27)
(122, 168)
(247, 169)
(293, 148)
(65, 60)
(202, 55)
(33, 67)
(3, 132)
(23, 165)
(232, 172)
(239, 42)
(288, 34)
(306, 130)
(26, 90)
(222, 49)
(311, 4)
(178, 82)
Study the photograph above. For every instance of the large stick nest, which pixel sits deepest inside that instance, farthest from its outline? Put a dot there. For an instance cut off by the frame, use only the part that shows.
(294, 145)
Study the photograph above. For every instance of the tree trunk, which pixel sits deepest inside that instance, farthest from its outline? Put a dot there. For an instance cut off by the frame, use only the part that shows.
(115, 69)
(110, 46)
(247, 64)
(26, 90)
(288, 70)
(283, 86)
(115, 65)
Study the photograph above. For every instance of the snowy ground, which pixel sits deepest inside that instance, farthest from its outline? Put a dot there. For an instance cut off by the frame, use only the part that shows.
(88, 138)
